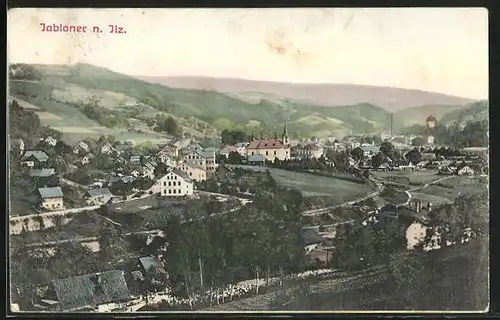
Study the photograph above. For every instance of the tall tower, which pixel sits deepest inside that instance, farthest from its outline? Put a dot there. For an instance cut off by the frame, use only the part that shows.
(285, 136)
(392, 123)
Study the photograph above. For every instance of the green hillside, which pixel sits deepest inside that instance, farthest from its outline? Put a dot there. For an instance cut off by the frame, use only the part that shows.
(419, 114)
(131, 105)
(477, 111)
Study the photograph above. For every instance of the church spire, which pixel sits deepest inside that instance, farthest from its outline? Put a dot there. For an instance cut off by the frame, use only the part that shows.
(285, 135)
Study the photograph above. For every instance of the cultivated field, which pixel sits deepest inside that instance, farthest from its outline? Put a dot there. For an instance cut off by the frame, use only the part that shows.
(420, 177)
(312, 185)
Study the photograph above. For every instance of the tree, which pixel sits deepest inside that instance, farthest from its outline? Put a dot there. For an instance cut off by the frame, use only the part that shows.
(377, 160)
(418, 141)
(414, 156)
(387, 149)
(235, 158)
(357, 153)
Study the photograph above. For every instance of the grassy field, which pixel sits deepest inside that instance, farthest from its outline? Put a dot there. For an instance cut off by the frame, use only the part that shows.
(452, 187)
(420, 177)
(336, 190)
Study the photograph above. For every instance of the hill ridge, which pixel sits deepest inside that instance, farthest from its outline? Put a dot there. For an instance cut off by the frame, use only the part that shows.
(323, 94)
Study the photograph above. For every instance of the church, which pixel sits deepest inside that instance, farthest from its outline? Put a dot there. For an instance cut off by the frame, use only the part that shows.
(271, 149)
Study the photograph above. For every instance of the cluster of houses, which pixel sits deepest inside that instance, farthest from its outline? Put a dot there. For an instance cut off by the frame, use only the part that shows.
(184, 161)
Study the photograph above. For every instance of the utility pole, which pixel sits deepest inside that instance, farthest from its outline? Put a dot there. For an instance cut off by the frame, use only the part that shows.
(392, 123)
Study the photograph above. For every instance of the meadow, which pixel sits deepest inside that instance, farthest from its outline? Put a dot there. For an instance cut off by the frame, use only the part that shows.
(419, 177)
(337, 190)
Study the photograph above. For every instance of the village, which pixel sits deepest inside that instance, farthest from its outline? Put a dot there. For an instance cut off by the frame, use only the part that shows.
(104, 175)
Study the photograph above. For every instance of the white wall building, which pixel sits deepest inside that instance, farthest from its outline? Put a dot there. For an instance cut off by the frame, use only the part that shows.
(175, 184)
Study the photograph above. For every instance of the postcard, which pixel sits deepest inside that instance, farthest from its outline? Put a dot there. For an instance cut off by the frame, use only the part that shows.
(329, 160)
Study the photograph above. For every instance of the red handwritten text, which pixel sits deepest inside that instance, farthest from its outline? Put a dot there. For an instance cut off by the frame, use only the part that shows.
(62, 28)
(54, 27)
(113, 28)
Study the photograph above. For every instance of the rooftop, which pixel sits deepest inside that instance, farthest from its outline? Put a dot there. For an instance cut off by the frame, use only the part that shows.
(41, 173)
(99, 192)
(53, 192)
(267, 144)
(91, 290)
(38, 154)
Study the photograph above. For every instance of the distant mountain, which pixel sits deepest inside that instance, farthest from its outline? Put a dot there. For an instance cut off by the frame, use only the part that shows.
(128, 107)
(390, 99)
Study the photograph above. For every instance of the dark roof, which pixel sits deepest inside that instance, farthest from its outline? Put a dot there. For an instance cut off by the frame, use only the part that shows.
(91, 290)
(41, 172)
(311, 236)
(99, 192)
(53, 192)
(38, 154)
(181, 174)
(152, 262)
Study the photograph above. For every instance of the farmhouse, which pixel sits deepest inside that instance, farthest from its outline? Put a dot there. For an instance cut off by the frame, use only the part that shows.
(50, 141)
(51, 198)
(81, 147)
(107, 148)
(34, 158)
(101, 292)
(194, 171)
(98, 196)
(175, 184)
(465, 170)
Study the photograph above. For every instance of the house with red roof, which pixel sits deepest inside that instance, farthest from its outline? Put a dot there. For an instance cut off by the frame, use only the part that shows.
(271, 149)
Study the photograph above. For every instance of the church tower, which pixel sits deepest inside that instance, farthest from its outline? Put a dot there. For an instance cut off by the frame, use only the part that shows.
(285, 136)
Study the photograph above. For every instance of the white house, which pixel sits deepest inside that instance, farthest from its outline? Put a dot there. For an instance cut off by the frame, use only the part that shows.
(465, 170)
(107, 148)
(51, 198)
(86, 159)
(51, 141)
(81, 146)
(175, 184)
(98, 196)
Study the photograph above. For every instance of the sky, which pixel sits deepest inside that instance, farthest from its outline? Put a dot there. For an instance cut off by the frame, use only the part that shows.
(434, 49)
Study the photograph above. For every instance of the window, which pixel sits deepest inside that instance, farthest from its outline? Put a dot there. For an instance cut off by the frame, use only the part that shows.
(252, 153)
(274, 152)
(169, 183)
(191, 174)
(267, 153)
(165, 183)
(169, 191)
(175, 177)
(165, 191)
(179, 191)
(174, 191)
